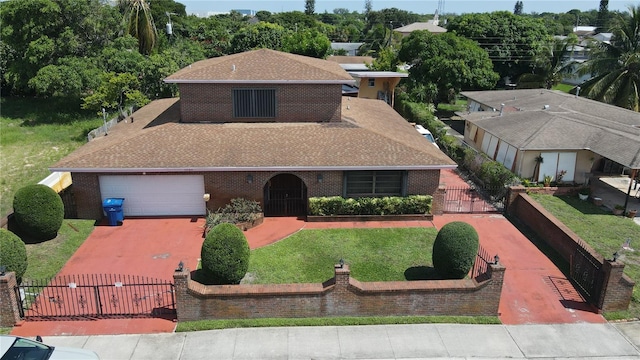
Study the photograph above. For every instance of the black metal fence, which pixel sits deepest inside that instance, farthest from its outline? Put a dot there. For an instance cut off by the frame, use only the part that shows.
(474, 200)
(585, 271)
(480, 270)
(96, 296)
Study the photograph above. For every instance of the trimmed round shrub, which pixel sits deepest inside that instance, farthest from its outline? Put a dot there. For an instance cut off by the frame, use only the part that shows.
(225, 254)
(38, 211)
(455, 249)
(13, 253)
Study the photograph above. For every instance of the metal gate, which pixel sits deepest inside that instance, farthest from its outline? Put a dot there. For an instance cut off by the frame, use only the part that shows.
(285, 195)
(474, 200)
(586, 273)
(95, 296)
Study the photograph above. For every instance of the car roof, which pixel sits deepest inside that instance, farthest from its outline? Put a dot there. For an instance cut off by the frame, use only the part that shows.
(5, 343)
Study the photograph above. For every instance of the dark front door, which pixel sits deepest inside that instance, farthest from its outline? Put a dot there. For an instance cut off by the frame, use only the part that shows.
(285, 195)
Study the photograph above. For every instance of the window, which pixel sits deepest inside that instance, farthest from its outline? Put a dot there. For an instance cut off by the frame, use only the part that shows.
(374, 183)
(254, 103)
(372, 82)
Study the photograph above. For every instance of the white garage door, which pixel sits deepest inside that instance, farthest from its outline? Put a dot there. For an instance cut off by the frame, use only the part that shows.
(156, 195)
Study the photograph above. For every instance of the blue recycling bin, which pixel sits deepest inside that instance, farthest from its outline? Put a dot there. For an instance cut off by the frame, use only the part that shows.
(113, 208)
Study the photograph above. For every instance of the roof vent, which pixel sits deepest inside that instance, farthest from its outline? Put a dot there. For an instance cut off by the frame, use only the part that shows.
(501, 109)
(348, 107)
(545, 107)
(233, 67)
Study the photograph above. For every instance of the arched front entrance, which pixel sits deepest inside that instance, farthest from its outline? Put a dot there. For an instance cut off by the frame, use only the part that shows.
(285, 195)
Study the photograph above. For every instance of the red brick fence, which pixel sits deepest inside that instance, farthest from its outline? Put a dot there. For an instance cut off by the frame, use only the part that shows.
(339, 296)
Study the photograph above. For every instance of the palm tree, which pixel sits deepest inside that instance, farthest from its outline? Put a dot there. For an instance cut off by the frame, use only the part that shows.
(555, 61)
(139, 23)
(616, 66)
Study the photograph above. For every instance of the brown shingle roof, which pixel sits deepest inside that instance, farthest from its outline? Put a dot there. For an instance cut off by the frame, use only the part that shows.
(263, 65)
(371, 136)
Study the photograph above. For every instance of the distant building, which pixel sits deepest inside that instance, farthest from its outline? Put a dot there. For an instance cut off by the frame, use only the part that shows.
(350, 48)
(245, 12)
(430, 26)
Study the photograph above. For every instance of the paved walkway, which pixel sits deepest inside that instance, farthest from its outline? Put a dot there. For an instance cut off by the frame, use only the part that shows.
(423, 341)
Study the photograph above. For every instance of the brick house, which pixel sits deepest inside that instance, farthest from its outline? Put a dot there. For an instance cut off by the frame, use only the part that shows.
(261, 125)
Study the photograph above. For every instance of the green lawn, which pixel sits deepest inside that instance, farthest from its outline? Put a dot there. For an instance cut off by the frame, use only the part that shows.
(45, 259)
(563, 87)
(605, 233)
(308, 256)
(34, 134)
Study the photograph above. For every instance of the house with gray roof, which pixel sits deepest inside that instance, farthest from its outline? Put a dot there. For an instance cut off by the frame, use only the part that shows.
(573, 136)
(262, 125)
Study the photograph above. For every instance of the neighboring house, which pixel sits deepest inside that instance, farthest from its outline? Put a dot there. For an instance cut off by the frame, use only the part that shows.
(379, 85)
(369, 84)
(572, 134)
(262, 125)
(351, 49)
(429, 26)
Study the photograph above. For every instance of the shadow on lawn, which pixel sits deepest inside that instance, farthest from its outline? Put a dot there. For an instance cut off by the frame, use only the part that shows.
(421, 273)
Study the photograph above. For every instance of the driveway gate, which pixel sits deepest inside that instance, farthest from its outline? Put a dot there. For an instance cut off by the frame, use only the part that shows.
(585, 272)
(474, 200)
(95, 296)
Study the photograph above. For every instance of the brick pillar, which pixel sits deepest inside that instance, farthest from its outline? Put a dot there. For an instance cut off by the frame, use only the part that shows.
(496, 271)
(513, 193)
(342, 274)
(616, 292)
(9, 311)
(181, 284)
(437, 205)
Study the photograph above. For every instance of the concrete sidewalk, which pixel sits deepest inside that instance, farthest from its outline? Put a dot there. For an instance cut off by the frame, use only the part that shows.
(422, 341)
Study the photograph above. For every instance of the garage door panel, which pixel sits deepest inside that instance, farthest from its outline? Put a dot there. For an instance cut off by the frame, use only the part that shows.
(156, 195)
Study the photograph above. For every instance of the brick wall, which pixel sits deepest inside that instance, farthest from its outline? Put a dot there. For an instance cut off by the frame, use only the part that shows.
(340, 296)
(9, 312)
(617, 288)
(224, 186)
(294, 103)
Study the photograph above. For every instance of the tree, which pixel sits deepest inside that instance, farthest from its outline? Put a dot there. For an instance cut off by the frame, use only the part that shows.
(511, 41)
(116, 91)
(261, 35)
(139, 23)
(310, 7)
(603, 16)
(308, 42)
(387, 60)
(552, 64)
(451, 62)
(37, 33)
(615, 67)
(517, 10)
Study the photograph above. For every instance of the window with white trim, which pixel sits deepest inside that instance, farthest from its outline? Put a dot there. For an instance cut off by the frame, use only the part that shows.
(374, 183)
(254, 103)
(372, 82)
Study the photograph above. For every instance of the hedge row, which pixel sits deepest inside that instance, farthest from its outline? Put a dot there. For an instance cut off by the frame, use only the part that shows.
(391, 205)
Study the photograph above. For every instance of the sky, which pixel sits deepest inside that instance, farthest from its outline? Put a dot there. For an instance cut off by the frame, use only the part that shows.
(202, 7)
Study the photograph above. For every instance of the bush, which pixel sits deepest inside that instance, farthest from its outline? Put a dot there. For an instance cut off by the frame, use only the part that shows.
(38, 211)
(238, 211)
(455, 249)
(390, 205)
(13, 253)
(225, 254)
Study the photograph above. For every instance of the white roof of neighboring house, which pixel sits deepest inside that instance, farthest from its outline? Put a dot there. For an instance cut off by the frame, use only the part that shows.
(583, 30)
(421, 26)
(377, 74)
(347, 46)
(604, 37)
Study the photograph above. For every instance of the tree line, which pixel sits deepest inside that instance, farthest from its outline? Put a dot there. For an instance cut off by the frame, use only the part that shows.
(116, 55)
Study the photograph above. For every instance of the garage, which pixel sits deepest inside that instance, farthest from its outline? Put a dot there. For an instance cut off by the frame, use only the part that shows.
(156, 195)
